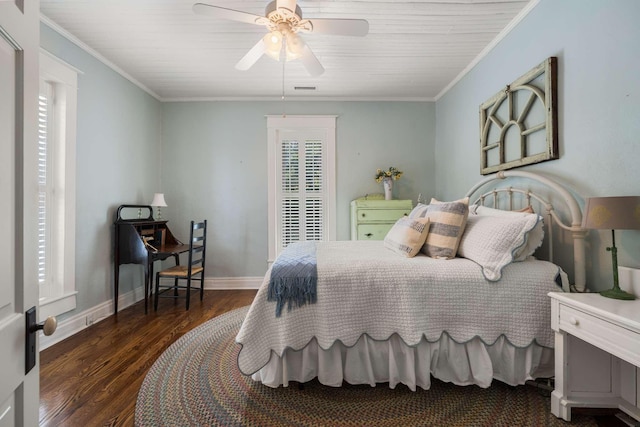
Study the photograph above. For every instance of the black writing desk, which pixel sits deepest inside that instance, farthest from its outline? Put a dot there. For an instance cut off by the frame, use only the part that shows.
(142, 240)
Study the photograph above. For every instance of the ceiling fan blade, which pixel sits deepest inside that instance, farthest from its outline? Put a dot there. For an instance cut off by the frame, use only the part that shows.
(252, 56)
(287, 4)
(310, 62)
(224, 13)
(340, 27)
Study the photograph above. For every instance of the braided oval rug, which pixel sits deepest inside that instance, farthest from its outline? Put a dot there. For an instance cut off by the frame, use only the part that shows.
(196, 382)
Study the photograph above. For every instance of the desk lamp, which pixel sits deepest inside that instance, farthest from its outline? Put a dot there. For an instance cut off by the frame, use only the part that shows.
(158, 201)
(613, 213)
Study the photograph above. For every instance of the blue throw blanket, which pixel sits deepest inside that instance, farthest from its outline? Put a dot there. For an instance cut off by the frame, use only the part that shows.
(294, 276)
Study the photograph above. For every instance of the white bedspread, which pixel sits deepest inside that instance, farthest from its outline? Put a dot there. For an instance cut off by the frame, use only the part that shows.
(364, 288)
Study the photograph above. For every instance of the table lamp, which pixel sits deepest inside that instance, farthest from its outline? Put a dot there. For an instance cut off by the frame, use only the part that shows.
(158, 201)
(622, 213)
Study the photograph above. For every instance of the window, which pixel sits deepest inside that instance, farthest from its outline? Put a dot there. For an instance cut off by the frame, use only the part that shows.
(301, 180)
(56, 186)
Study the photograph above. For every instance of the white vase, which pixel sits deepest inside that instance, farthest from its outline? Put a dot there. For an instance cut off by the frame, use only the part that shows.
(387, 183)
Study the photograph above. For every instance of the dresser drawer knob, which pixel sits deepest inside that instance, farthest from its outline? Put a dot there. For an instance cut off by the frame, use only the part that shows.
(574, 321)
(369, 234)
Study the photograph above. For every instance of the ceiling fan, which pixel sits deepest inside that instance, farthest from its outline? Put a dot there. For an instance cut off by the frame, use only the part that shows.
(283, 19)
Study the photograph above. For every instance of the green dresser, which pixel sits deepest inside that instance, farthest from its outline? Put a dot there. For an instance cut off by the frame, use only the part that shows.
(373, 217)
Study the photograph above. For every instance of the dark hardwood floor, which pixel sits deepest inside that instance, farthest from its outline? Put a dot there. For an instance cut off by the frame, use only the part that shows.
(93, 378)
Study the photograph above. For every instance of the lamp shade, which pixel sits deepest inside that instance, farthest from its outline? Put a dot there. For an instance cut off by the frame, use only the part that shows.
(158, 200)
(613, 213)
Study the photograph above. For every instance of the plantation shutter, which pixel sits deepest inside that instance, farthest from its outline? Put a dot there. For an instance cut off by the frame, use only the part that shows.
(302, 180)
(303, 190)
(56, 177)
(44, 120)
(315, 193)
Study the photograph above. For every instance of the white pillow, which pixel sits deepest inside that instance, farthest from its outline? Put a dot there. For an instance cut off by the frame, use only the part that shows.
(407, 236)
(419, 211)
(533, 239)
(493, 241)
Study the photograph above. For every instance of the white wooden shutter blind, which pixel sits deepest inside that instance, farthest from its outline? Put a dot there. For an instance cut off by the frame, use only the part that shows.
(302, 186)
(44, 171)
(302, 190)
(56, 171)
(314, 190)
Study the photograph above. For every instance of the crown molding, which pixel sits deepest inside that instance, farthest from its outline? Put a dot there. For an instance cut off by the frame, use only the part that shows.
(514, 22)
(73, 39)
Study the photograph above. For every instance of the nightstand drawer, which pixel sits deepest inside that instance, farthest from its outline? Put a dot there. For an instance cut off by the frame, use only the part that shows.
(613, 338)
(373, 231)
(386, 215)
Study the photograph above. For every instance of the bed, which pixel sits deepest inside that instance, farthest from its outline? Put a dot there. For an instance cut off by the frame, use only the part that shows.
(381, 315)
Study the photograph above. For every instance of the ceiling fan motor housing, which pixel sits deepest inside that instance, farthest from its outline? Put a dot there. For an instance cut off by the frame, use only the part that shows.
(278, 16)
(273, 6)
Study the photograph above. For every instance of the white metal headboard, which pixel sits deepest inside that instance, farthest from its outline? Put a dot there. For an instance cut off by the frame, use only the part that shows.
(551, 216)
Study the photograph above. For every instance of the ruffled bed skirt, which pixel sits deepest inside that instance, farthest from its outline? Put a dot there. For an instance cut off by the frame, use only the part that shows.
(394, 362)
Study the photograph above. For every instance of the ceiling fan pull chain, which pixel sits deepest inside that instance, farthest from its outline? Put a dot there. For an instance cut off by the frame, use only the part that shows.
(284, 61)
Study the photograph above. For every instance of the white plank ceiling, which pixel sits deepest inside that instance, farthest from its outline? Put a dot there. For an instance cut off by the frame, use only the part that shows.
(415, 49)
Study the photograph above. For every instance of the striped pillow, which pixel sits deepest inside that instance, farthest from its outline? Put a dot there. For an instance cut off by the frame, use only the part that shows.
(448, 220)
(407, 236)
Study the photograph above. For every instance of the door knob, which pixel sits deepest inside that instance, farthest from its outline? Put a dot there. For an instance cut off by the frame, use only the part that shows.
(48, 326)
(32, 327)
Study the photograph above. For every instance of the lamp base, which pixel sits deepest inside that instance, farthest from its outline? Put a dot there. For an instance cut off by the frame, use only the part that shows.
(617, 293)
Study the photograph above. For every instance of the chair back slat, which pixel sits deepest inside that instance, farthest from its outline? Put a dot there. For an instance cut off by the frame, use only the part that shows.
(197, 245)
(194, 269)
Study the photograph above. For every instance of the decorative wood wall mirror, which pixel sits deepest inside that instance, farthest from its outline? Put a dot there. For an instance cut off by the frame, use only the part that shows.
(519, 124)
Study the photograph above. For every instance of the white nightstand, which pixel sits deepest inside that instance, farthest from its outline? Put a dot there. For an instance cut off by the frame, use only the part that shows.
(597, 353)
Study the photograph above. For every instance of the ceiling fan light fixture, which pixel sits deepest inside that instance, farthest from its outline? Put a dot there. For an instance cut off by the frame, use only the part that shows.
(283, 20)
(273, 44)
(294, 46)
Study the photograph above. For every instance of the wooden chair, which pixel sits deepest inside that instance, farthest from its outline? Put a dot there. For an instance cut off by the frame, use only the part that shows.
(194, 270)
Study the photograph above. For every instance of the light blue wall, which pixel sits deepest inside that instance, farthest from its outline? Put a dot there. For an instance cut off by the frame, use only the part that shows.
(597, 45)
(213, 154)
(118, 141)
(214, 166)
(209, 158)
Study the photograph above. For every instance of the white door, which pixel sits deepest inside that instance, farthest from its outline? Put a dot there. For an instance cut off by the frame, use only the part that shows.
(19, 44)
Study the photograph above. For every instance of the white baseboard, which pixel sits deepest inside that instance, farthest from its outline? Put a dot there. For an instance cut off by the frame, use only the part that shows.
(231, 283)
(82, 320)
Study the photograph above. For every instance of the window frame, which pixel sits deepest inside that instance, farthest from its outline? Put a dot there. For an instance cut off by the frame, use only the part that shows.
(326, 127)
(60, 295)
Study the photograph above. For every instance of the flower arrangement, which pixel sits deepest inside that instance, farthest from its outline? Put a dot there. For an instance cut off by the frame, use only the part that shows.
(392, 173)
